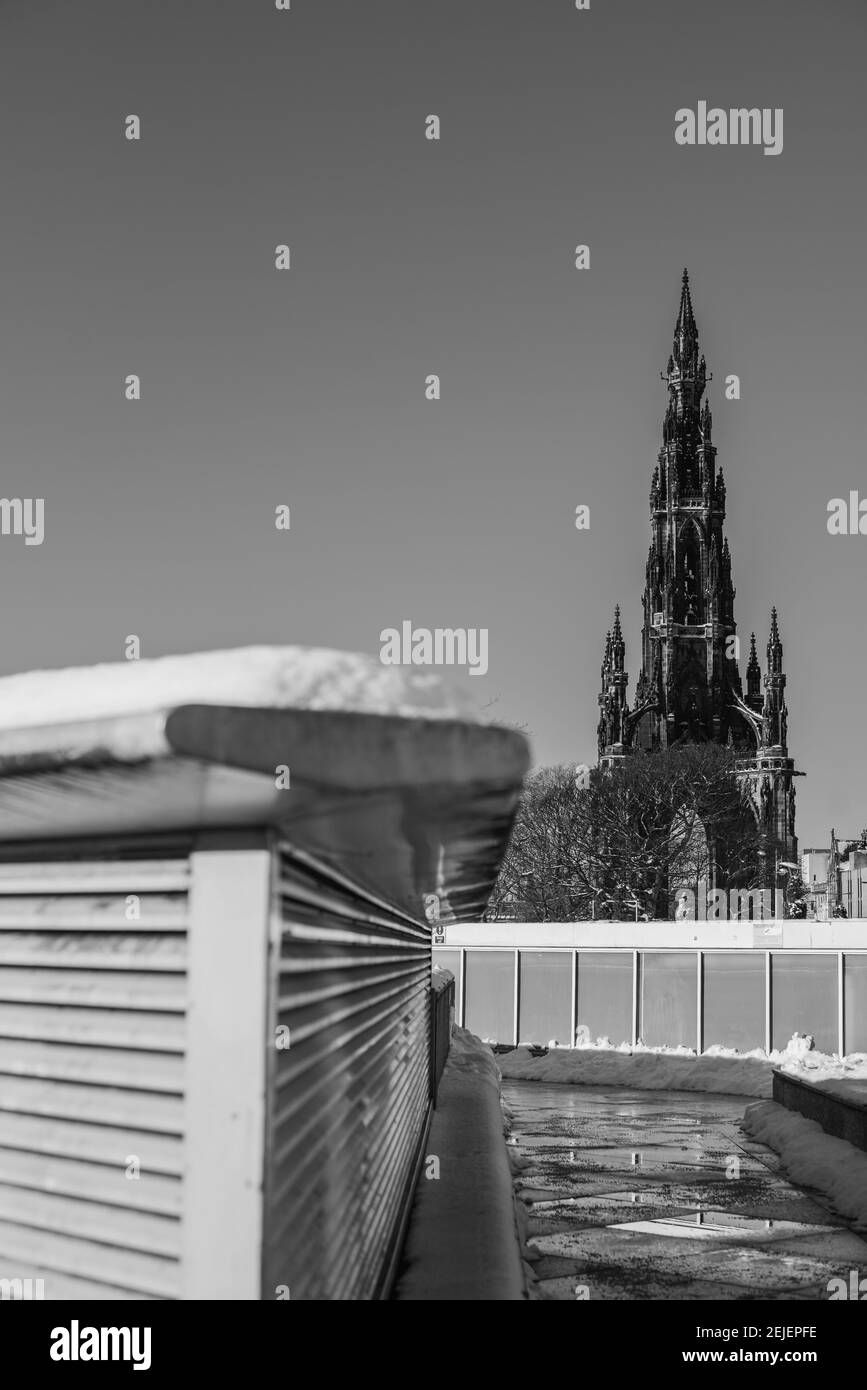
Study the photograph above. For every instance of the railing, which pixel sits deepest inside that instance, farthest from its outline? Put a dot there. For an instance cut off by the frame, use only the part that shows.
(442, 1009)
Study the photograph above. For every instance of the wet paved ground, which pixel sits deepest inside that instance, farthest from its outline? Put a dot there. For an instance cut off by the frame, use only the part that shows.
(659, 1195)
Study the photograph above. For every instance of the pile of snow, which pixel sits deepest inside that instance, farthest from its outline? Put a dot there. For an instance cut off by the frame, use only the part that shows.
(845, 1077)
(814, 1159)
(440, 978)
(719, 1069)
(470, 1057)
(641, 1068)
(462, 1243)
(259, 677)
(855, 1091)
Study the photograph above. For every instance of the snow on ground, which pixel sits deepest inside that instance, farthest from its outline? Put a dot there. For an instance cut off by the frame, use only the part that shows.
(813, 1159)
(273, 677)
(462, 1242)
(641, 1069)
(853, 1091)
(846, 1079)
(720, 1069)
(469, 1057)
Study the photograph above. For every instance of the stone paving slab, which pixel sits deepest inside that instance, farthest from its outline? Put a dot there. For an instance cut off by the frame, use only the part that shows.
(629, 1197)
(762, 1198)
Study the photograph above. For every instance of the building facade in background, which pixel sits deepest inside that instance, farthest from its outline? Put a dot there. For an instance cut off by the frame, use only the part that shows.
(836, 878)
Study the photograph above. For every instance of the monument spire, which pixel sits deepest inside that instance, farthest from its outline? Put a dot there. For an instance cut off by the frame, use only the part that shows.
(689, 687)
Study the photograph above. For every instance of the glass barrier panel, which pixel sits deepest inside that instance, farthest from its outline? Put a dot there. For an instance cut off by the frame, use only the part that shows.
(804, 999)
(668, 998)
(490, 1010)
(605, 996)
(545, 999)
(855, 1003)
(734, 1000)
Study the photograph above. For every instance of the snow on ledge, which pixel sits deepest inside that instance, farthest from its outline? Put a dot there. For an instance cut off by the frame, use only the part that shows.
(462, 1243)
(813, 1159)
(258, 677)
(440, 978)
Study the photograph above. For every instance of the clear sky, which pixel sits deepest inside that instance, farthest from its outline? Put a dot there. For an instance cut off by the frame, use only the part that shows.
(412, 257)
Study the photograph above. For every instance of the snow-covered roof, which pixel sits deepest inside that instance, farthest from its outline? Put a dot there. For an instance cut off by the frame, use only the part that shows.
(265, 677)
(386, 766)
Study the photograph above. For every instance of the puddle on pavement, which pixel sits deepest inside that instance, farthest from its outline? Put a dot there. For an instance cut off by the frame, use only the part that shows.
(718, 1225)
(669, 1218)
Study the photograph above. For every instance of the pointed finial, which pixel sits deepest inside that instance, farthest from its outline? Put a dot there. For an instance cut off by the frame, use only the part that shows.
(606, 660)
(618, 635)
(775, 646)
(685, 316)
(754, 670)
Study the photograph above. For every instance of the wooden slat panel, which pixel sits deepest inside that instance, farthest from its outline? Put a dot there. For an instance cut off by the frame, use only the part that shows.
(88, 951)
(93, 1066)
(109, 1225)
(159, 912)
(92, 1069)
(94, 1182)
(123, 1269)
(96, 989)
(348, 1099)
(157, 1032)
(302, 871)
(158, 1153)
(101, 1105)
(66, 1287)
(89, 876)
(303, 1129)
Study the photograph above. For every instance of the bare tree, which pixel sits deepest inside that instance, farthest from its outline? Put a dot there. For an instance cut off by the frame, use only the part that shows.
(619, 846)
